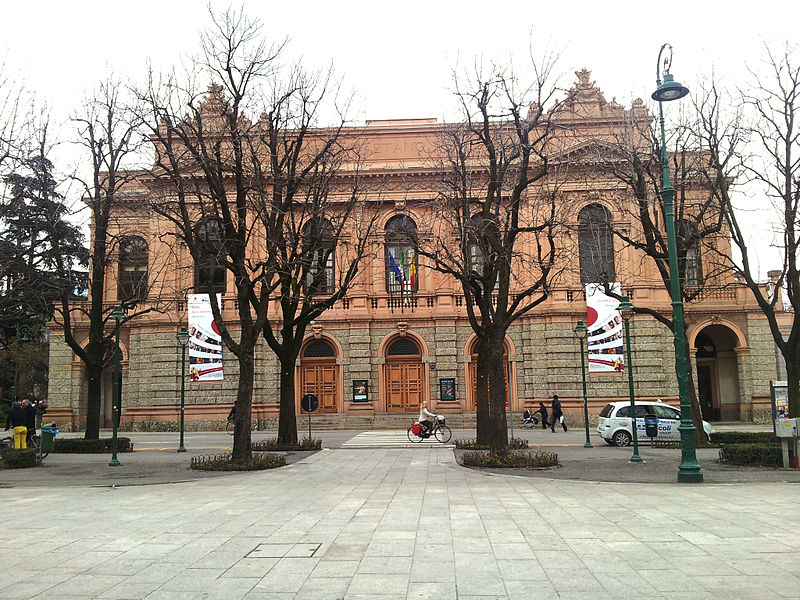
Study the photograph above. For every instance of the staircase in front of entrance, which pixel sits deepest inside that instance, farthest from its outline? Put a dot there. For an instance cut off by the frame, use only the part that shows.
(331, 421)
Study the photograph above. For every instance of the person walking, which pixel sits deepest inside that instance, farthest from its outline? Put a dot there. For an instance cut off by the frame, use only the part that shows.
(542, 410)
(30, 421)
(18, 419)
(558, 415)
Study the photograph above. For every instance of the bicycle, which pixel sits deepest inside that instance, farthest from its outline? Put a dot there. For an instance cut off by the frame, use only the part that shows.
(439, 430)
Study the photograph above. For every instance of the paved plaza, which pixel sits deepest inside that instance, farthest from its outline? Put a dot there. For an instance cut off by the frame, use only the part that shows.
(395, 523)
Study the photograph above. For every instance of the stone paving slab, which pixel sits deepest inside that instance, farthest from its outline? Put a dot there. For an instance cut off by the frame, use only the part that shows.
(400, 523)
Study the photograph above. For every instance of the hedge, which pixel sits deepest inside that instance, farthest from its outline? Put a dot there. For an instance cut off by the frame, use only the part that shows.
(744, 437)
(19, 459)
(224, 462)
(766, 455)
(514, 459)
(305, 444)
(82, 446)
(471, 444)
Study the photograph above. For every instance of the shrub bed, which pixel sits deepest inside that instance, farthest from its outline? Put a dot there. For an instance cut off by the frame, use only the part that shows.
(766, 455)
(82, 446)
(19, 459)
(471, 444)
(513, 459)
(304, 444)
(224, 462)
(744, 437)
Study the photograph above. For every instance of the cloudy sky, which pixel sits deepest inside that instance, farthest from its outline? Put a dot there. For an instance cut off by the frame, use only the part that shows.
(397, 57)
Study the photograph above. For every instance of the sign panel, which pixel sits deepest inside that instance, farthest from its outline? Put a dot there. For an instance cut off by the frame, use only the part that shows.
(779, 390)
(205, 342)
(309, 403)
(360, 390)
(447, 389)
(605, 335)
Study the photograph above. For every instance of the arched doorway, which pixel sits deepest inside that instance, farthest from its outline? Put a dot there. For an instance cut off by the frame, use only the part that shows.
(404, 375)
(319, 374)
(717, 374)
(106, 385)
(473, 374)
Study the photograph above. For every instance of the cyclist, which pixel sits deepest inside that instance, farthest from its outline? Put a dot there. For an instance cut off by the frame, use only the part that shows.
(425, 421)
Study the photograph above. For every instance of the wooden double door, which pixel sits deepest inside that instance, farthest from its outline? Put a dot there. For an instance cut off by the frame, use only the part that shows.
(404, 389)
(319, 379)
(473, 375)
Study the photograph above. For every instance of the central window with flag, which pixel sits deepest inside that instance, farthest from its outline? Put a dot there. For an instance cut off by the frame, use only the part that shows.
(401, 255)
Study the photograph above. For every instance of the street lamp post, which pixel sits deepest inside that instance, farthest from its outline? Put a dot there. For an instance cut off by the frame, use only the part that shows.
(116, 314)
(24, 331)
(580, 331)
(626, 310)
(183, 339)
(667, 90)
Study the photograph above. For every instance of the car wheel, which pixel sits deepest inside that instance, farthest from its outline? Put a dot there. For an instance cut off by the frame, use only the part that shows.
(621, 438)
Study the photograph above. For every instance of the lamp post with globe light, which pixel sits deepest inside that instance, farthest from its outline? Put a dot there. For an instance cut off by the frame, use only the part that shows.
(668, 90)
(117, 315)
(580, 332)
(626, 310)
(183, 339)
(24, 332)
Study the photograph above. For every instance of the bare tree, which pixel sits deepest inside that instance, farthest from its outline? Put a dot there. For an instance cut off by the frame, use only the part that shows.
(754, 139)
(108, 133)
(248, 182)
(494, 222)
(634, 150)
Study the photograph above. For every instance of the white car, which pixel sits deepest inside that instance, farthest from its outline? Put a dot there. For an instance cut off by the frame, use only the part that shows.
(614, 425)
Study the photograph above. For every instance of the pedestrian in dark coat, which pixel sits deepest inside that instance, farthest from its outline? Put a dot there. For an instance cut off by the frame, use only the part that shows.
(30, 420)
(558, 415)
(542, 410)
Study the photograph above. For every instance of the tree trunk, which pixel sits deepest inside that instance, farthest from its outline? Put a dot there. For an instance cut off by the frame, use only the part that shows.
(694, 401)
(242, 422)
(481, 393)
(287, 421)
(94, 374)
(497, 424)
(793, 382)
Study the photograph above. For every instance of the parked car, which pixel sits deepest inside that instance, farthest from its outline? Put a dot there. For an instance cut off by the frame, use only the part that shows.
(614, 425)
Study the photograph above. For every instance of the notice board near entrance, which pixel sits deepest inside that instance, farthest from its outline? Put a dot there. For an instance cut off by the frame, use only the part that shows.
(360, 390)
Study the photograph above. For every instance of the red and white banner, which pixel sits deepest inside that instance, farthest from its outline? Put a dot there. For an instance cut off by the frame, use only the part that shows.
(205, 343)
(605, 337)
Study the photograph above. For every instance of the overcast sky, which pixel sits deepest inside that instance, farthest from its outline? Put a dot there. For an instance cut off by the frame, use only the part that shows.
(397, 57)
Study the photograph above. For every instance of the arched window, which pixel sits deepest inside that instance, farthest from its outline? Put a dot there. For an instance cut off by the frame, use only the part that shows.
(690, 266)
(318, 244)
(210, 271)
(132, 283)
(476, 231)
(401, 255)
(319, 349)
(596, 245)
(403, 346)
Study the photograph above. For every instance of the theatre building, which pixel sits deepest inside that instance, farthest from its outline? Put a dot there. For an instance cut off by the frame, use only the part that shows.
(378, 352)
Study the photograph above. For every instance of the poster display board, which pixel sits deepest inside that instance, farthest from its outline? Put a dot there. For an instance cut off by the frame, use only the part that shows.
(360, 390)
(779, 391)
(205, 342)
(605, 330)
(447, 389)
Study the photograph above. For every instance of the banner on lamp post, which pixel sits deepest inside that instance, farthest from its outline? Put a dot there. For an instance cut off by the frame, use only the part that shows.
(205, 342)
(605, 333)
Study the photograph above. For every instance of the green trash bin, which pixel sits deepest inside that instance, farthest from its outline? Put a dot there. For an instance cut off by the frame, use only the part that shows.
(48, 439)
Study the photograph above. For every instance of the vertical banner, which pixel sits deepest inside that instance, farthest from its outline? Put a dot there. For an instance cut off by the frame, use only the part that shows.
(205, 343)
(606, 336)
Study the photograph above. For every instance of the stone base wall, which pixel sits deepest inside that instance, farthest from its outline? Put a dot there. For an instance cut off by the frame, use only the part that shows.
(543, 352)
